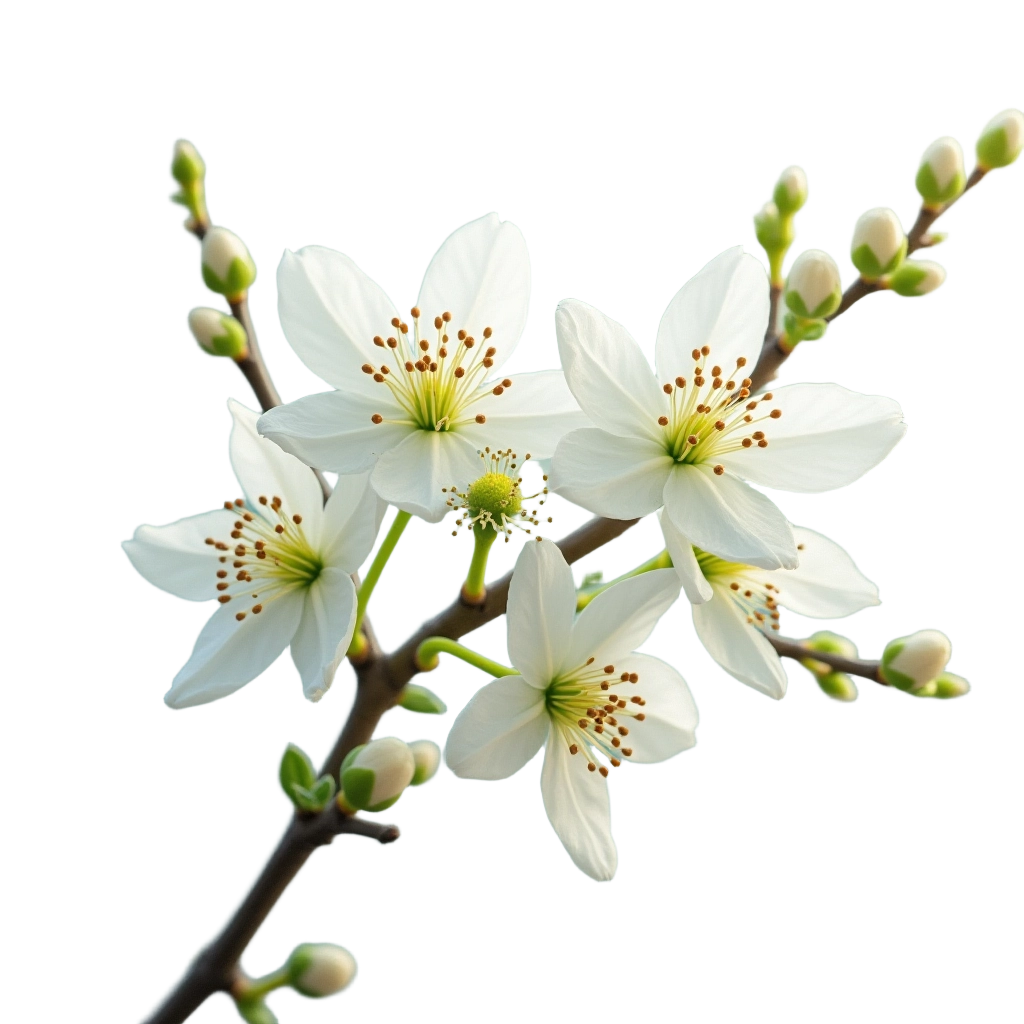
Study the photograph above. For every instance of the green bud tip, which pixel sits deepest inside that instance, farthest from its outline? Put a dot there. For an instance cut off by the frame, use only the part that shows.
(917, 277)
(948, 686)
(187, 166)
(814, 288)
(318, 969)
(941, 176)
(375, 775)
(879, 244)
(1001, 141)
(790, 190)
(493, 503)
(228, 268)
(774, 231)
(913, 662)
(427, 756)
(218, 333)
(421, 700)
(838, 686)
(831, 643)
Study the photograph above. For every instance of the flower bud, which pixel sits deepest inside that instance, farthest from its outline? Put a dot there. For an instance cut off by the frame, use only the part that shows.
(913, 662)
(814, 288)
(948, 686)
(427, 756)
(228, 269)
(187, 166)
(318, 969)
(797, 329)
(879, 243)
(373, 776)
(790, 190)
(838, 685)
(917, 277)
(1001, 141)
(421, 700)
(773, 231)
(218, 333)
(941, 177)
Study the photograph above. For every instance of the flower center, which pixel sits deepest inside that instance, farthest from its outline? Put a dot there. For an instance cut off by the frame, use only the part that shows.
(709, 414)
(269, 556)
(495, 500)
(745, 586)
(589, 713)
(436, 385)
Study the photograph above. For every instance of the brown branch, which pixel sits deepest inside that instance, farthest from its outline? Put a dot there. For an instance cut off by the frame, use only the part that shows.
(853, 666)
(252, 366)
(773, 355)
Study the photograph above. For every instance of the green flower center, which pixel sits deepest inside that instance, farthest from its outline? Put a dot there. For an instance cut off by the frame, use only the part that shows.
(267, 557)
(437, 384)
(744, 585)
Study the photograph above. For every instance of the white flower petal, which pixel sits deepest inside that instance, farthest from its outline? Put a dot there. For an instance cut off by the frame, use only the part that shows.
(695, 586)
(723, 515)
(531, 416)
(481, 275)
(498, 731)
(725, 306)
(608, 373)
(541, 607)
(176, 557)
(670, 714)
(333, 430)
(737, 646)
(229, 654)
(263, 468)
(827, 437)
(411, 476)
(324, 631)
(620, 619)
(330, 311)
(578, 808)
(826, 584)
(352, 517)
(610, 475)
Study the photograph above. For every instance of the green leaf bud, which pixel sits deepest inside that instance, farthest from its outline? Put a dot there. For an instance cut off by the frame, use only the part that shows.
(798, 329)
(187, 166)
(255, 1011)
(917, 277)
(913, 662)
(790, 190)
(427, 756)
(773, 231)
(228, 269)
(218, 333)
(1001, 141)
(948, 686)
(941, 176)
(838, 686)
(374, 776)
(879, 244)
(421, 700)
(296, 770)
(318, 969)
(814, 288)
(831, 643)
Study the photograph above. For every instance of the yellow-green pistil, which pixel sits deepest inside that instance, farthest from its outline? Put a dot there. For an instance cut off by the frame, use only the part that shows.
(267, 559)
(589, 707)
(745, 585)
(710, 414)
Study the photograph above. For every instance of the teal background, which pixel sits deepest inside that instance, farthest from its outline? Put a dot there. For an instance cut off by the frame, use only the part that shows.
(808, 861)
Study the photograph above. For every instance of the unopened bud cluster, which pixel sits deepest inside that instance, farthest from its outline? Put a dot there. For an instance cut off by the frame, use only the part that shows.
(813, 292)
(916, 664)
(837, 685)
(189, 170)
(374, 775)
(773, 224)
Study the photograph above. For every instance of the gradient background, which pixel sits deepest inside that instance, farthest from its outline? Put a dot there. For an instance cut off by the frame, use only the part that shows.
(807, 861)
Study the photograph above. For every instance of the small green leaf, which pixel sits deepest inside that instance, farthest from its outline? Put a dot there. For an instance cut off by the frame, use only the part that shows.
(592, 579)
(323, 791)
(255, 1011)
(296, 770)
(421, 700)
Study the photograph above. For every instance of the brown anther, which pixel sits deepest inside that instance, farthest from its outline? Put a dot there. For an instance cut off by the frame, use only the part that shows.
(716, 383)
(762, 444)
(239, 502)
(421, 365)
(210, 541)
(800, 547)
(240, 575)
(263, 499)
(624, 677)
(446, 317)
(716, 371)
(487, 332)
(591, 767)
(433, 367)
(498, 390)
(442, 353)
(224, 598)
(415, 312)
(469, 342)
(591, 713)
(221, 573)
(635, 700)
(633, 677)
(261, 554)
(239, 616)
(628, 751)
(599, 728)
(424, 345)
(705, 350)
(775, 413)
(480, 418)
(667, 388)
(680, 382)
(639, 716)
(275, 502)
(461, 335)
(384, 369)
(603, 771)
(623, 731)
(379, 378)
(460, 371)
(734, 586)
(696, 355)
(757, 435)
(692, 439)
(221, 546)
(573, 749)
(240, 549)
(507, 383)
(223, 586)
(582, 723)
(376, 418)
(236, 534)
(748, 593)
(662, 421)
(404, 328)
(248, 517)
(609, 669)
(702, 408)
(279, 528)
(296, 519)
(699, 381)
(720, 425)
(616, 742)
(437, 322)
(604, 686)
(719, 470)
(746, 442)
(492, 351)
(395, 322)
(767, 396)
(409, 366)
(729, 385)
(229, 506)
(259, 545)
(488, 362)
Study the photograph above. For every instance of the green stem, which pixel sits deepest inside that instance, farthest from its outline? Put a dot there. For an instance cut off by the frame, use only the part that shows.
(257, 988)
(427, 660)
(474, 589)
(660, 561)
(373, 575)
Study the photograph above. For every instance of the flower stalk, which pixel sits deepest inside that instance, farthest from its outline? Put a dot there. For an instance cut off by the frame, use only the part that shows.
(427, 657)
(473, 590)
(359, 643)
(585, 595)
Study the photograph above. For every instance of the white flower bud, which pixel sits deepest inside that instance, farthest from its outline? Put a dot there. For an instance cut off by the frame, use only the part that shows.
(814, 288)
(914, 662)
(917, 277)
(187, 166)
(375, 775)
(791, 190)
(1002, 140)
(218, 333)
(228, 269)
(941, 176)
(879, 243)
(427, 756)
(318, 969)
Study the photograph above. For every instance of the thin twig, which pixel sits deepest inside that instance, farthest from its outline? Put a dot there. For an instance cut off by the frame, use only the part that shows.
(853, 666)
